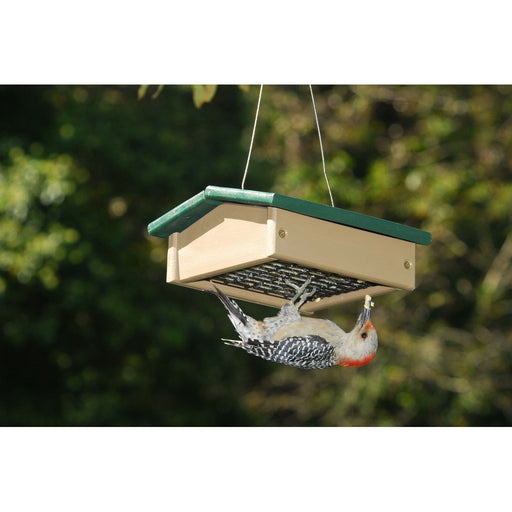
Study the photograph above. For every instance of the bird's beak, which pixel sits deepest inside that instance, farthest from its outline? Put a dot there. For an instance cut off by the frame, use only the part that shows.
(367, 309)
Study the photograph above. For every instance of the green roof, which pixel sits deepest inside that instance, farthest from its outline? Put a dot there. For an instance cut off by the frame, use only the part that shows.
(190, 211)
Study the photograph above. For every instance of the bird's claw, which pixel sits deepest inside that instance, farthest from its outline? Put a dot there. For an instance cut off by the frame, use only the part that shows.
(302, 293)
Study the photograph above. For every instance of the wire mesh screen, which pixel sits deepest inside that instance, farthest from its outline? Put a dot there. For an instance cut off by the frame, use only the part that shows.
(270, 279)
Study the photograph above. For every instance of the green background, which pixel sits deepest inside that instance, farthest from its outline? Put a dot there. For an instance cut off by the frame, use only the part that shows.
(91, 334)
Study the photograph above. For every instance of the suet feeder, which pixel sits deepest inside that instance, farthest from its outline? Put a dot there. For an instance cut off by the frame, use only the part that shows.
(251, 243)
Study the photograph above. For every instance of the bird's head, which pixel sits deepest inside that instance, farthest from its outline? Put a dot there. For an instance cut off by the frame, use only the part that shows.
(361, 345)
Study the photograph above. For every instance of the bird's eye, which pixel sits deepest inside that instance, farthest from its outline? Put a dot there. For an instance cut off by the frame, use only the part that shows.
(364, 335)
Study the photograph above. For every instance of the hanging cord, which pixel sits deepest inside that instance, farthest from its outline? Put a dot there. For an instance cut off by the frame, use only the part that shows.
(252, 137)
(319, 138)
(321, 145)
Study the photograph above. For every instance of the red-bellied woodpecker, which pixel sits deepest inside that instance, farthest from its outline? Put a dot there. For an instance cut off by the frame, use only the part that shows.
(308, 343)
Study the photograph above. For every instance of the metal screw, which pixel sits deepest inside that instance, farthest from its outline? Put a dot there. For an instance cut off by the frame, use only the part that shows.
(407, 264)
(282, 233)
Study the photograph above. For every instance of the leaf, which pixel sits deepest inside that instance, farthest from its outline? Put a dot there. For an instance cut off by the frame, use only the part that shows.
(203, 94)
(244, 88)
(157, 92)
(142, 91)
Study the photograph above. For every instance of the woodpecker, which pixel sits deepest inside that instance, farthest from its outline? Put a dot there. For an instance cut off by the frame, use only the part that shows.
(308, 343)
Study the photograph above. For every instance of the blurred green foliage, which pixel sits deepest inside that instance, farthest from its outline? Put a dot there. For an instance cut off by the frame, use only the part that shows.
(91, 334)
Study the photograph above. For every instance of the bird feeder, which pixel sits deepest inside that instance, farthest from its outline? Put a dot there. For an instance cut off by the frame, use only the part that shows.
(250, 244)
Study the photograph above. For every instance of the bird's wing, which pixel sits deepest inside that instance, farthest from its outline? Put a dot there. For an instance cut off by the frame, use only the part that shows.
(306, 352)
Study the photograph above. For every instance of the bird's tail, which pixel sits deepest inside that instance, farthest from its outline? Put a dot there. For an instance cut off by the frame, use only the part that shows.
(235, 314)
(246, 327)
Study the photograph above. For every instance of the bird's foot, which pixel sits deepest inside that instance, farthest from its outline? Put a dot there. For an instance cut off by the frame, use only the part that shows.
(305, 296)
(302, 293)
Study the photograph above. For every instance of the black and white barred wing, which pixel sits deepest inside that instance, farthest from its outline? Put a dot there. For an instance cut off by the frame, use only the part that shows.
(307, 352)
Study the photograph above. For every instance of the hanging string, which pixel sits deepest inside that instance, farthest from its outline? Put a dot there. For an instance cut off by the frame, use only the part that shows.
(321, 145)
(252, 138)
(319, 138)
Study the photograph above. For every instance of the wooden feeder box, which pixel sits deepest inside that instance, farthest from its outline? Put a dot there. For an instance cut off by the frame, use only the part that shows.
(250, 243)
